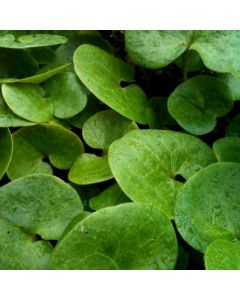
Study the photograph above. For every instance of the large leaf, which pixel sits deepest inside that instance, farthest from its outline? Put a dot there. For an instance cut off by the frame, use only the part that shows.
(223, 255)
(128, 236)
(20, 251)
(33, 144)
(147, 163)
(208, 206)
(227, 149)
(101, 129)
(102, 74)
(40, 204)
(198, 102)
(30, 40)
(90, 168)
(6, 149)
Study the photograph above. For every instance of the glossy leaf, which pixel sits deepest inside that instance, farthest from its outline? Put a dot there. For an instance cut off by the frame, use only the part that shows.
(104, 127)
(33, 144)
(39, 204)
(233, 127)
(208, 206)
(198, 102)
(223, 255)
(6, 149)
(147, 163)
(227, 149)
(90, 168)
(109, 71)
(30, 40)
(128, 236)
(20, 251)
(111, 196)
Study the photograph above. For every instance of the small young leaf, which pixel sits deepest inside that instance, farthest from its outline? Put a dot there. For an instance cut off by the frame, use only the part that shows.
(145, 164)
(227, 149)
(6, 149)
(109, 71)
(208, 205)
(190, 61)
(127, 236)
(90, 168)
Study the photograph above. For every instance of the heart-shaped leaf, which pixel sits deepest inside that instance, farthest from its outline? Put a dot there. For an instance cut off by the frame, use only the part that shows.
(198, 102)
(20, 251)
(111, 196)
(30, 40)
(190, 61)
(223, 255)
(208, 206)
(109, 71)
(40, 204)
(147, 163)
(227, 149)
(33, 144)
(233, 127)
(127, 236)
(101, 129)
(90, 168)
(6, 150)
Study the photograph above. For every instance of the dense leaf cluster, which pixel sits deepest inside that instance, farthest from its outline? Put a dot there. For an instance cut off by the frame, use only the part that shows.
(119, 150)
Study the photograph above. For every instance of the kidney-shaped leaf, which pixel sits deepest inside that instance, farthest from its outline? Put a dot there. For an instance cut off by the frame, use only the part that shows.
(208, 206)
(147, 163)
(101, 129)
(198, 102)
(20, 251)
(227, 149)
(33, 144)
(128, 236)
(40, 204)
(30, 40)
(223, 255)
(102, 74)
(6, 149)
(90, 168)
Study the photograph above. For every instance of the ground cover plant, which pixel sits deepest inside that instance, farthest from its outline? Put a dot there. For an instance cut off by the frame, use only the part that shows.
(119, 150)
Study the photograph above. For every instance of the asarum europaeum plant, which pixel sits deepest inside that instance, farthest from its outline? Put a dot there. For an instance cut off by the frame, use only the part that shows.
(120, 150)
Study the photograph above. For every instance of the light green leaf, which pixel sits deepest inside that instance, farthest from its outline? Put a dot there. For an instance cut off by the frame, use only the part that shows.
(40, 204)
(227, 149)
(33, 144)
(111, 196)
(147, 163)
(20, 251)
(233, 83)
(6, 150)
(223, 255)
(101, 129)
(208, 206)
(30, 40)
(198, 102)
(233, 127)
(109, 71)
(90, 168)
(128, 236)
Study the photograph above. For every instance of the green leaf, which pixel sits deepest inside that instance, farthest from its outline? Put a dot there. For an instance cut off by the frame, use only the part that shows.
(30, 40)
(227, 149)
(147, 163)
(40, 204)
(90, 168)
(109, 71)
(101, 129)
(223, 255)
(156, 48)
(28, 101)
(198, 102)
(33, 144)
(190, 61)
(111, 196)
(128, 236)
(208, 206)
(233, 127)
(233, 83)
(43, 55)
(6, 150)
(41, 76)
(19, 250)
